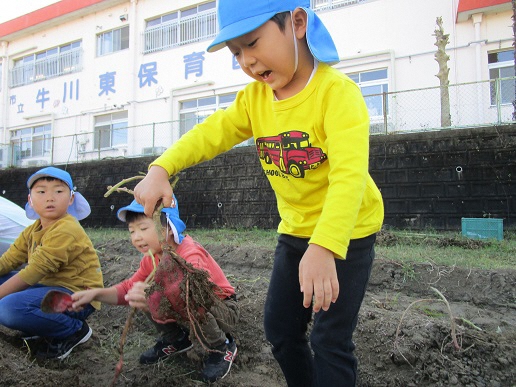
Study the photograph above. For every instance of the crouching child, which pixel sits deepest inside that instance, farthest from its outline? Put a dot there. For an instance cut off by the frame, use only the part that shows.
(215, 329)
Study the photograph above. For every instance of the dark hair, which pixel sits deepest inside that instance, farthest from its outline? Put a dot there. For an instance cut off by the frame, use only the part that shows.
(47, 178)
(131, 216)
(280, 20)
(163, 219)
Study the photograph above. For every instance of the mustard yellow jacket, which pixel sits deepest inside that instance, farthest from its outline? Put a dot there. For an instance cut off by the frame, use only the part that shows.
(60, 255)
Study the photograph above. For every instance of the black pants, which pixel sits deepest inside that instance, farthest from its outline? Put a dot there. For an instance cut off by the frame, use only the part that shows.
(286, 320)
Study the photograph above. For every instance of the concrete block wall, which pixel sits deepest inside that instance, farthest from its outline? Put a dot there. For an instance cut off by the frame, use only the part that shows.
(90, 179)
(429, 180)
(230, 190)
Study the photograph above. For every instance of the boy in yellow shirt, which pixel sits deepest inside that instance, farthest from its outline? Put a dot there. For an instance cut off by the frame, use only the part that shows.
(58, 255)
(311, 129)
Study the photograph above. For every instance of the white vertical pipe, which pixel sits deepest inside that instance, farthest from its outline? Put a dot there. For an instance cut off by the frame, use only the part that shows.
(477, 21)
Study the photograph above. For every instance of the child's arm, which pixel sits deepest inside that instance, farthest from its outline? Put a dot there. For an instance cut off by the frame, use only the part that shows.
(217, 134)
(12, 285)
(104, 295)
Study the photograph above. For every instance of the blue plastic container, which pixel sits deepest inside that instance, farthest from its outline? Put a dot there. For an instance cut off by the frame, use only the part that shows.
(482, 228)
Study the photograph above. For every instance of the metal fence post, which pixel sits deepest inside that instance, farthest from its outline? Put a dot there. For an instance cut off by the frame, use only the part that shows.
(100, 142)
(12, 160)
(498, 100)
(153, 135)
(384, 108)
(51, 150)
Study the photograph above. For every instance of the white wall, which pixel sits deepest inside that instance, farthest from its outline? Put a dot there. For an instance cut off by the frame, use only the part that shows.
(392, 34)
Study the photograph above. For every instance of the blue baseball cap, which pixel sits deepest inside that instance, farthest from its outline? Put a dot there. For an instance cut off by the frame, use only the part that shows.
(236, 19)
(174, 221)
(80, 207)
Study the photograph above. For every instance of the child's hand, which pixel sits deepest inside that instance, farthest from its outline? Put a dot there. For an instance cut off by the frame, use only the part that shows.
(82, 298)
(318, 278)
(153, 188)
(136, 296)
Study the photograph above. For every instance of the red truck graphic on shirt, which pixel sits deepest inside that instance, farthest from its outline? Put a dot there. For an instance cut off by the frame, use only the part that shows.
(291, 152)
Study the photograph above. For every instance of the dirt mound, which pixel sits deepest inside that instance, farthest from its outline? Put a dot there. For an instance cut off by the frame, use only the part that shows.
(406, 336)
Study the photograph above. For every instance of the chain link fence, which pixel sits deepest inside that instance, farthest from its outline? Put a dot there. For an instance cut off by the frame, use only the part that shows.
(454, 107)
(469, 105)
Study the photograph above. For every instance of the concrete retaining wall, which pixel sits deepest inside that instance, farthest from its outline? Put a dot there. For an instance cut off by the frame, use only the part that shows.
(428, 180)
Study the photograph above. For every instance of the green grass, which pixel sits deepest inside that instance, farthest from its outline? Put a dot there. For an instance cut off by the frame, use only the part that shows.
(428, 311)
(497, 257)
(451, 250)
(102, 235)
(237, 237)
(447, 249)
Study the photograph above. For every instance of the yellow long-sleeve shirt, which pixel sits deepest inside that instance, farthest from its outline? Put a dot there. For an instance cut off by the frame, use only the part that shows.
(314, 149)
(60, 255)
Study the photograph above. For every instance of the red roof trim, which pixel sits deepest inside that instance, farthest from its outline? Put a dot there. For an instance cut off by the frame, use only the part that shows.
(44, 14)
(469, 5)
(467, 8)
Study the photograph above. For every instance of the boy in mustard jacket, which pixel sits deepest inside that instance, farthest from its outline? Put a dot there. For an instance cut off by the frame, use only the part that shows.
(58, 255)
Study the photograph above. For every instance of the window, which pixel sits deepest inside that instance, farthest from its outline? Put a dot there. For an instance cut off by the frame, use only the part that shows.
(181, 27)
(501, 67)
(113, 41)
(31, 142)
(55, 61)
(1, 77)
(330, 4)
(195, 111)
(198, 22)
(373, 84)
(110, 130)
(161, 32)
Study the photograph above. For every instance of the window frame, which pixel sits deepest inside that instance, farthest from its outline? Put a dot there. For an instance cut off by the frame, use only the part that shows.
(31, 138)
(52, 62)
(364, 80)
(498, 85)
(115, 124)
(320, 5)
(198, 109)
(109, 42)
(180, 27)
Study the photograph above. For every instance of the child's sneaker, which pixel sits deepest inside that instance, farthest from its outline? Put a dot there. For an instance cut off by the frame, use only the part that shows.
(61, 348)
(219, 362)
(165, 348)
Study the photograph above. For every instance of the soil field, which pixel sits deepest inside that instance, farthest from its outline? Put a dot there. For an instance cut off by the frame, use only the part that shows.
(420, 325)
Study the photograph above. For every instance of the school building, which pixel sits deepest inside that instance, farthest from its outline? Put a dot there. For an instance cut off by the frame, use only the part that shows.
(96, 79)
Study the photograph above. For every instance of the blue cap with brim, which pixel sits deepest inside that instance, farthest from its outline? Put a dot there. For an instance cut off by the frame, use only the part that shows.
(236, 20)
(174, 221)
(80, 207)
